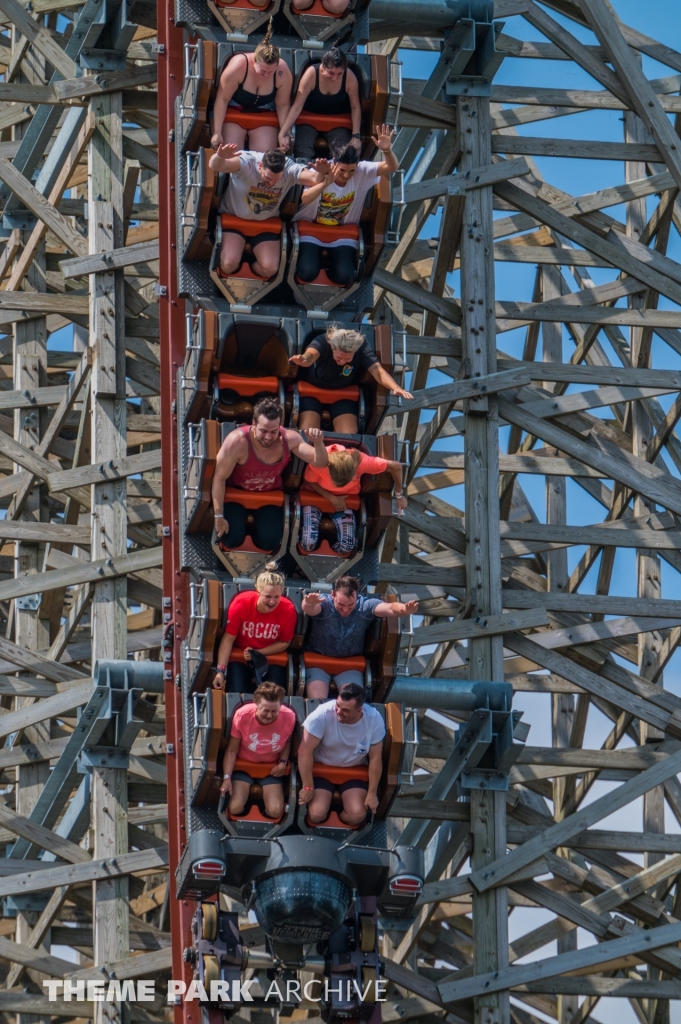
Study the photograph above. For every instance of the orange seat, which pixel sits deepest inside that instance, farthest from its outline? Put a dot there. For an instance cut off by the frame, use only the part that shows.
(327, 396)
(257, 769)
(242, 5)
(250, 228)
(308, 497)
(332, 773)
(250, 119)
(317, 9)
(247, 386)
(326, 232)
(332, 665)
(274, 659)
(325, 122)
(254, 499)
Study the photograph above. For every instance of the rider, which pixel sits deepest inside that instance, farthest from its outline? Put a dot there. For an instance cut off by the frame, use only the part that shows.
(343, 733)
(334, 360)
(338, 199)
(253, 457)
(258, 183)
(262, 620)
(326, 89)
(261, 733)
(339, 622)
(343, 477)
(252, 83)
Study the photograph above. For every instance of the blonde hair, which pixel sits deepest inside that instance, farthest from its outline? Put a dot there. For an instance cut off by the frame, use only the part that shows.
(343, 339)
(266, 52)
(343, 466)
(269, 578)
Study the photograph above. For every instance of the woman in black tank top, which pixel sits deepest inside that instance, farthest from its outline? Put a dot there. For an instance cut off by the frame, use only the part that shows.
(329, 89)
(253, 82)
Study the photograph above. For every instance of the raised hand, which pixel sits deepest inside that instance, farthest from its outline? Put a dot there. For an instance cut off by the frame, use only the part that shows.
(411, 608)
(383, 137)
(401, 392)
(323, 167)
(315, 434)
(300, 360)
(228, 150)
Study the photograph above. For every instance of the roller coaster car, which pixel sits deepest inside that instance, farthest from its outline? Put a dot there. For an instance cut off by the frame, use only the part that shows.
(369, 236)
(396, 753)
(243, 288)
(376, 82)
(372, 507)
(253, 822)
(352, 966)
(204, 442)
(216, 953)
(372, 396)
(317, 24)
(200, 70)
(201, 201)
(209, 599)
(249, 349)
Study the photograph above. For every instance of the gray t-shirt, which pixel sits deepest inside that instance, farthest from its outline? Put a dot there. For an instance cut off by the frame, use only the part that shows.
(249, 197)
(344, 745)
(342, 637)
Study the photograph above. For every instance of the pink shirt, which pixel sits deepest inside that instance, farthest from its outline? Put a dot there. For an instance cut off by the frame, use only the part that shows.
(262, 742)
(368, 464)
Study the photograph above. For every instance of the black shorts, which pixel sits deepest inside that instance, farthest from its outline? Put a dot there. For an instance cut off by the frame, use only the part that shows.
(264, 236)
(269, 780)
(342, 407)
(329, 787)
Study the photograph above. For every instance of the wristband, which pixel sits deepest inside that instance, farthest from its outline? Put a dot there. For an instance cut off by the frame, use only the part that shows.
(218, 515)
(226, 777)
(283, 760)
(356, 135)
(221, 668)
(309, 789)
(400, 495)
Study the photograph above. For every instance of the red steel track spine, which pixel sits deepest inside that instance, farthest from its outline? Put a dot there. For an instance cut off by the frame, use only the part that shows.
(175, 584)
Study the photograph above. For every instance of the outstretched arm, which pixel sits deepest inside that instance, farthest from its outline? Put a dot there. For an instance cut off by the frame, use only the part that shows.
(310, 356)
(311, 604)
(396, 609)
(395, 470)
(315, 454)
(383, 377)
(304, 89)
(226, 159)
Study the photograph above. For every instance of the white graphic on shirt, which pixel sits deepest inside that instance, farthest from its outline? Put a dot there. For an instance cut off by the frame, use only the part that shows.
(257, 745)
(261, 630)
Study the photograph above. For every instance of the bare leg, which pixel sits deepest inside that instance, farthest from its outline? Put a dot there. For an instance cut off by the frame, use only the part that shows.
(239, 799)
(267, 258)
(273, 797)
(259, 3)
(335, 6)
(318, 807)
(304, 5)
(234, 134)
(231, 252)
(346, 424)
(354, 812)
(262, 139)
(309, 419)
(317, 689)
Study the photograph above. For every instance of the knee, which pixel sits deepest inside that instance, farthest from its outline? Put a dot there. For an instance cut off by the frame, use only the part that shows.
(355, 817)
(316, 815)
(269, 264)
(236, 806)
(229, 264)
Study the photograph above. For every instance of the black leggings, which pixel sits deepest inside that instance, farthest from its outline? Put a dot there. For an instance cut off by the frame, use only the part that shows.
(240, 677)
(306, 136)
(267, 531)
(340, 263)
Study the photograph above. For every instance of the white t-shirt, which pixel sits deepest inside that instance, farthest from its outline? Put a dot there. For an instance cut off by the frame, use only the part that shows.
(342, 204)
(249, 197)
(344, 745)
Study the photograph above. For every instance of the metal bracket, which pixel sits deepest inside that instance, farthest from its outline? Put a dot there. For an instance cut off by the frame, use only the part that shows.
(102, 757)
(19, 220)
(103, 60)
(30, 603)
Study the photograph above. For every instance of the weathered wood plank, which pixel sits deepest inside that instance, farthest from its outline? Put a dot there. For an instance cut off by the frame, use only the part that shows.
(73, 874)
(84, 572)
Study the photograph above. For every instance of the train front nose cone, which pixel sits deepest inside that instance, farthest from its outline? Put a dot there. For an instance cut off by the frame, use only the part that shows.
(301, 906)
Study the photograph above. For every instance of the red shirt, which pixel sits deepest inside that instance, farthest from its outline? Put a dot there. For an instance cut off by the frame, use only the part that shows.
(253, 629)
(368, 464)
(262, 742)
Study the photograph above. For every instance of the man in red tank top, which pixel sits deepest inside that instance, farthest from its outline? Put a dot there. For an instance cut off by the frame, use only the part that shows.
(254, 458)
